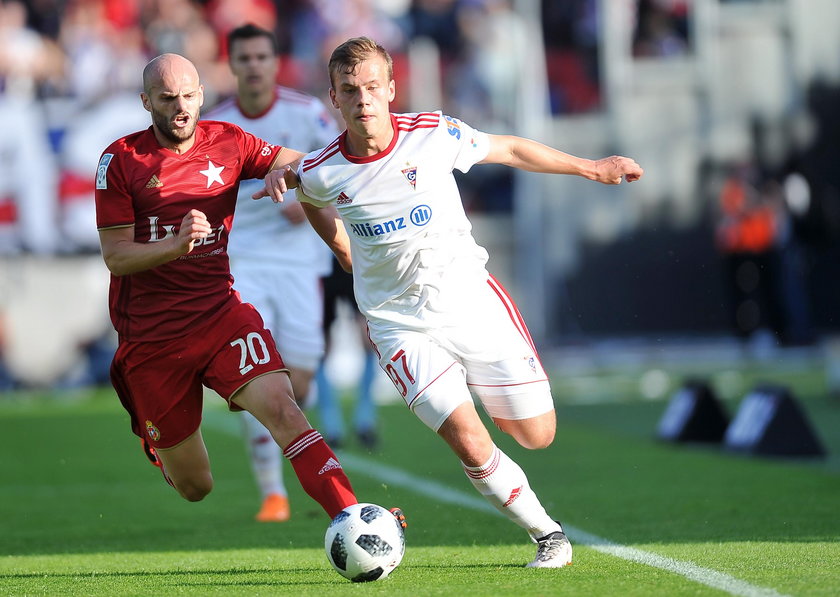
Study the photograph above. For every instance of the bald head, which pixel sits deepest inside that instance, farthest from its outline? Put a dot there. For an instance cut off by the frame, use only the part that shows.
(168, 67)
(173, 95)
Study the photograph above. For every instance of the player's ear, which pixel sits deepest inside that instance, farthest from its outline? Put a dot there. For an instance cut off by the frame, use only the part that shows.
(332, 98)
(147, 104)
(392, 90)
(200, 95)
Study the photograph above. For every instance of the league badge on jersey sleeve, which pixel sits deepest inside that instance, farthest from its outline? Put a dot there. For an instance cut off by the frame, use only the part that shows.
(102, 171)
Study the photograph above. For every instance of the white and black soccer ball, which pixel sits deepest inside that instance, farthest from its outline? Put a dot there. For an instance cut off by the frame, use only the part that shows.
(364, 542)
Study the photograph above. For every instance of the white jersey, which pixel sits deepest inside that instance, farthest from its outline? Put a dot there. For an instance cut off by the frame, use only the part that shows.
(412, 247)
(260, 233)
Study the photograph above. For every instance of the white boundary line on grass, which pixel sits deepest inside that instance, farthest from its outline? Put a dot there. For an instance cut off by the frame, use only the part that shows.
(705, 576)
(400, 478)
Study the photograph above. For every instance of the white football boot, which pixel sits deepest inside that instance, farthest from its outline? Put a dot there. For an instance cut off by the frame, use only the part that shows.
(553, 551)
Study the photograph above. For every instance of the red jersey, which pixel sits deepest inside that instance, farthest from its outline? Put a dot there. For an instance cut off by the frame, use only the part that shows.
(141, 184)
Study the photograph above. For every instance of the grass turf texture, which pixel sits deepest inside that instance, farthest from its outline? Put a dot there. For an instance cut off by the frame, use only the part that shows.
(84, 514)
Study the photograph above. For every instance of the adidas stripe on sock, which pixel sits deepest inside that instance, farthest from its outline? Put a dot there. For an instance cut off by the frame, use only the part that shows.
(320, 473)
(504, 484)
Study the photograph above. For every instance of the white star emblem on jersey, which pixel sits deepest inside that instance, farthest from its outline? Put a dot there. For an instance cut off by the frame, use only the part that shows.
(213, 173)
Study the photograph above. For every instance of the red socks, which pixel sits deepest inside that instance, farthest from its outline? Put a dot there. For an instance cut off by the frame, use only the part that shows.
(320, 473)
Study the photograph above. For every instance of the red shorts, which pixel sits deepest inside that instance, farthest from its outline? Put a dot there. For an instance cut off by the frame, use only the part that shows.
(160, 383)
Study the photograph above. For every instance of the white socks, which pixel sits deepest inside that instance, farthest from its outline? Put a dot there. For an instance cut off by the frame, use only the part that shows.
(503, 483)
(265, 456)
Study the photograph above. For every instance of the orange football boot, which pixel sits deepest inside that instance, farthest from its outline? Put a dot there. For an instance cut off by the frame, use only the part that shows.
(275, 508)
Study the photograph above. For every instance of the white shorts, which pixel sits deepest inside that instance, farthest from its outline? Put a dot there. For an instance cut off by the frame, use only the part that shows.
(291, 305)
(484, 351)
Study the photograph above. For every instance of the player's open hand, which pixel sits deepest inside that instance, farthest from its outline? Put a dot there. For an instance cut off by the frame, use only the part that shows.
(613, 169)
(277, 182)
(194, 227)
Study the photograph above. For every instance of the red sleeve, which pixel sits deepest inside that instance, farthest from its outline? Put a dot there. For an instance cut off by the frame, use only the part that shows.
(257, 155)
(114, 206)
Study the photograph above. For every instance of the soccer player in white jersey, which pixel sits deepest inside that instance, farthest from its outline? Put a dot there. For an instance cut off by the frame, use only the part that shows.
(276, 258)
(445, 330)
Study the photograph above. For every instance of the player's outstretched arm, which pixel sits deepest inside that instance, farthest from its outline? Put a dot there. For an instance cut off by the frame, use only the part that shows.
(282, 176)
(327, 223)
(530, 155)
(124, 256)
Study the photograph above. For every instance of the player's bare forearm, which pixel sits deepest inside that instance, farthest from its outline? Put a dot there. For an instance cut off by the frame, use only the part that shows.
(327, 223)
(124, 256)
(287, 157)
(282, 175)
(526, 154)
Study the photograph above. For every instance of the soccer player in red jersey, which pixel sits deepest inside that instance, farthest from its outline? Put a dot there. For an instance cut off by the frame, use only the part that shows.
(165, 201)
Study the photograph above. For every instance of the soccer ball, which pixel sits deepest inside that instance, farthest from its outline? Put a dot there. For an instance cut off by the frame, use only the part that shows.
(364, 542)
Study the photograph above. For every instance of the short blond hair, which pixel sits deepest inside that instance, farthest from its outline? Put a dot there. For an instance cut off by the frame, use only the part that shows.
(346, 57)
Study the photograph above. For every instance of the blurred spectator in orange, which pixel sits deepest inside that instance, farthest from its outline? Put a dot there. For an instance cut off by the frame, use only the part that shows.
(746, 234)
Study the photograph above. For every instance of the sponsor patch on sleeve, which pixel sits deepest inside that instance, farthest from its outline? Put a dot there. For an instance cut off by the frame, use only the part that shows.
(453, 126)
(102, 170)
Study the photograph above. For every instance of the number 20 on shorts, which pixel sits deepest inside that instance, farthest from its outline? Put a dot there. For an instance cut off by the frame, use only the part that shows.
(252, 348)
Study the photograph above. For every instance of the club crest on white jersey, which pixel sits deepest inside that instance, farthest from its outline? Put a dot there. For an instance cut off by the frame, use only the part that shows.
(411, 176)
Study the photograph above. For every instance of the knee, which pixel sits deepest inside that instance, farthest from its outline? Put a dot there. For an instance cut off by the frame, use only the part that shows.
(475, 447)
(194, 490)
(532, 435)
(536, 440)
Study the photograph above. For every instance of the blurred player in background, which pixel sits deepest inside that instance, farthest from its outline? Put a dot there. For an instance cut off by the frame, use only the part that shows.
(338, 289)
(165, 199)
(276, 259)
(442, 326)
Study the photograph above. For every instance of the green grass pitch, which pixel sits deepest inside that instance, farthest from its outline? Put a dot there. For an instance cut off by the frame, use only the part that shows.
(82, 513)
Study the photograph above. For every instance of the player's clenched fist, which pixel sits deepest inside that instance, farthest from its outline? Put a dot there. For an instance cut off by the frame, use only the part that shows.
(194, 226)
(613, 169)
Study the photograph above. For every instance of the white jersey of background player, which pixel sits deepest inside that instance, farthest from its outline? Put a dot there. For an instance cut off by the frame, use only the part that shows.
(277, 260)
(443, 327)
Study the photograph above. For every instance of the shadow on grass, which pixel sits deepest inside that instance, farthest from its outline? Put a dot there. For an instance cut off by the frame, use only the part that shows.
(240, 577)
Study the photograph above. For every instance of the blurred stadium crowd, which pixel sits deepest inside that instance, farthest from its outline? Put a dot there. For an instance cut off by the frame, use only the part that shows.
(70, 74)
(69, 82)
